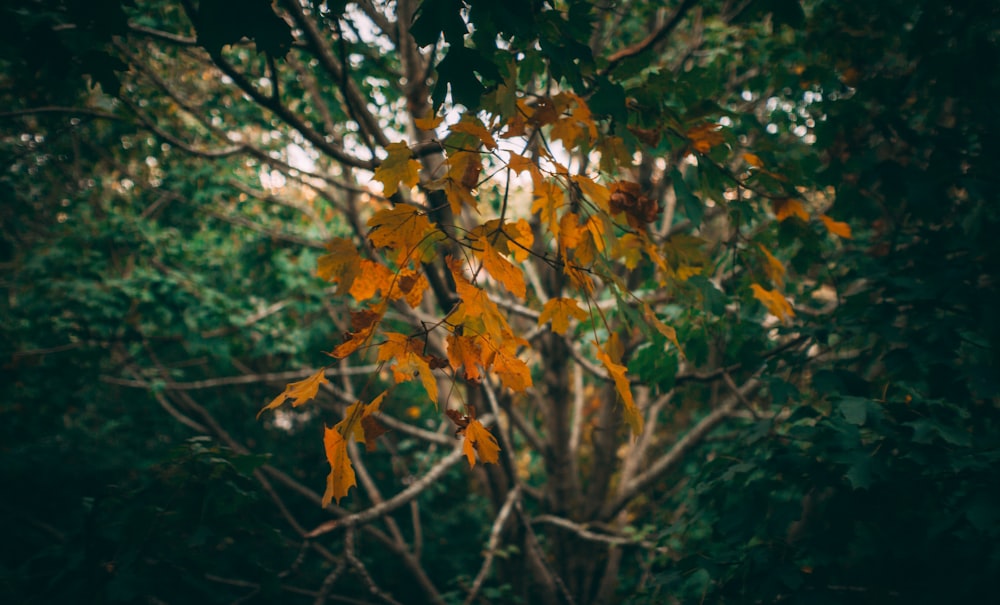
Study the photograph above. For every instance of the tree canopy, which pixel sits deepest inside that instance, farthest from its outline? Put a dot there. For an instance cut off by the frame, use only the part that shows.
(626, 301)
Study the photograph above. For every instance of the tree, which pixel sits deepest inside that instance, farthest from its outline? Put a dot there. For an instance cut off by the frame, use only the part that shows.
(567, 245)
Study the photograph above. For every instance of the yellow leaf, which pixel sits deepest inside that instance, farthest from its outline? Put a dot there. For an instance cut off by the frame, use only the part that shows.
(363, 323)
(596, 227)
(773, 267)
(407, 357)
(476, 304)
(341, 265)
(511, 370)
(373, 277)
(299, 392)
(350, 425)
(402, 229)
(429, 123)
(567, 130)
(471, 125)
(613, 154)
(499, 267)
(341, 477)
(595, 192)
(617, 373)
(836, 227)
(661, 327)
(465, 351)
(776, 304)
(787, 207)
(548, 197)
(398, 167)
(558, 311)
(479, 439)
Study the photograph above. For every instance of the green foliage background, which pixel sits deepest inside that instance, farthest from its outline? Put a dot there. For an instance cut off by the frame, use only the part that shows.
(877, 485)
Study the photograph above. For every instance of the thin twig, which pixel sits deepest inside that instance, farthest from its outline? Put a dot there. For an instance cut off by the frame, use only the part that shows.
(492, 544)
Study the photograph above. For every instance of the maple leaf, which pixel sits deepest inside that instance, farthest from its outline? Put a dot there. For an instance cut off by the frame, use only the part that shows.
(836, 227)
(406, 355)
(341, 264)
(609, 359)
(373, 277)
(595, 192)
(774, 301)
(499, 267)
(428, 123)
(773, 267)
(684, 255)
(475, 304)
(403, 229)
(662, 328)
(614, 154)
(471, 125)
(512, 371)
(352, 425)
(358, 424)
(705, 137)
(479, 439)
(548, 197)
(559, 311)
(299, 392)
(341, 478)
(787, 207)
(363, 323)
(398, 167)
(465, 351)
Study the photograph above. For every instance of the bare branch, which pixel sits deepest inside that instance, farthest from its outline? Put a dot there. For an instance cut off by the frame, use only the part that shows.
(681, 448)
(403, 497)
(493, 542)
(585, 533)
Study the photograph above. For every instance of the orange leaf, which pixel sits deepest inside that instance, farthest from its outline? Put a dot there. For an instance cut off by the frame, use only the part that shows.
(479, 439)
(299, 392)
(403, 229)
(773, 267)
(786, 207)
(429, 123)
(341, 265)
(595, 192)
(476, 304)
(373, 430)
(558, 311)
(465, 351)
(408, 360)
(774, 301)
(705, 137)
(372, 278)
(341, 477)
(661, 327)
(398, 167)
(617, 373)
(500, 268)
(470, 124)
(548, 197)
(836, 227)
(753, 160)
(511, 370)
(363, 323)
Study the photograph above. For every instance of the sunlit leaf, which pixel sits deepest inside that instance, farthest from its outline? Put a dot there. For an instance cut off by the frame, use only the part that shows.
(774, 301)
(836, 227)
(559, 311)
(398, 167)
(299, 392)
